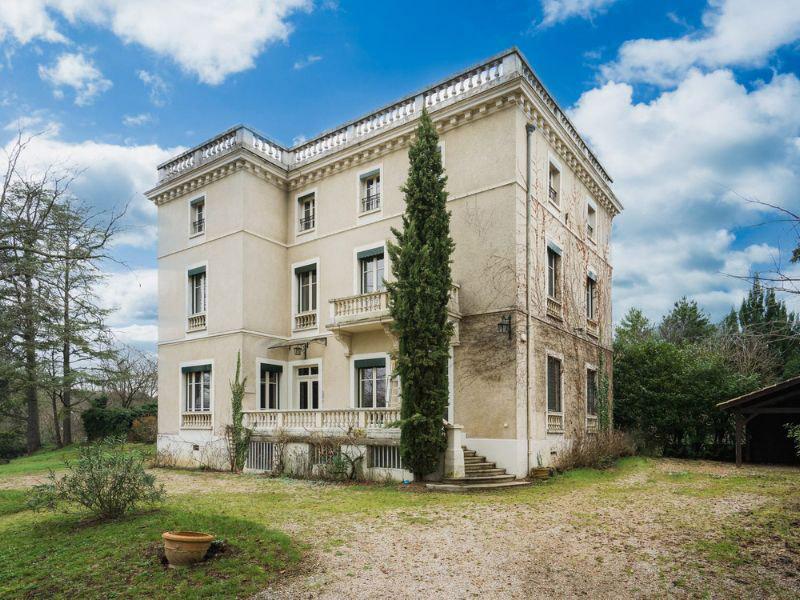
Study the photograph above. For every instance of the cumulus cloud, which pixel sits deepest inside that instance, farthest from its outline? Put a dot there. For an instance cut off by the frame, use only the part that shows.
(157, 87)
(558, 11)
(685, 164)
(211, 39)
(306, 61)
(735, 33)
(133, 298)
(79, 73)
(137, 120)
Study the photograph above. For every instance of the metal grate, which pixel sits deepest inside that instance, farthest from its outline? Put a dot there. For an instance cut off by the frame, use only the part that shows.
(385, 457)
(261, 455)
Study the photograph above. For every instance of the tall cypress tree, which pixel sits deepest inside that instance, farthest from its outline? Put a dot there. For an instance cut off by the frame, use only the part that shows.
(419, 295)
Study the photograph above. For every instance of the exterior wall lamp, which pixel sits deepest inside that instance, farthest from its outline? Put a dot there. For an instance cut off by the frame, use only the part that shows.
(504, 326)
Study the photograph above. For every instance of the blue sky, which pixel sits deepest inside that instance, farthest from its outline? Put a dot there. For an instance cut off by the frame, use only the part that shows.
(692, 107)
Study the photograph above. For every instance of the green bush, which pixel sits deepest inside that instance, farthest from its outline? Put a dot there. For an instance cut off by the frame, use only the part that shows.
(101, 421)
(794, 435)
(12, 444)
(144, 430)
(107, 479)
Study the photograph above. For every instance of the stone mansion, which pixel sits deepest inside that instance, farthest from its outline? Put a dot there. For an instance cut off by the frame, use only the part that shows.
(279, 253)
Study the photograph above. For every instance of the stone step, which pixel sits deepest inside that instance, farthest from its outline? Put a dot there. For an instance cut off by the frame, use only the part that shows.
(472, 487)
(480, 479)
(469, 453)
(480, 472)
(486, 464)
(474, 459)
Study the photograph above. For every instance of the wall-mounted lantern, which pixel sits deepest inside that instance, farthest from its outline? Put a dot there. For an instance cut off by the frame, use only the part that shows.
(504, 326)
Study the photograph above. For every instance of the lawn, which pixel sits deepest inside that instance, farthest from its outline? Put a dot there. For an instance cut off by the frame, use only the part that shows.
(643, 528)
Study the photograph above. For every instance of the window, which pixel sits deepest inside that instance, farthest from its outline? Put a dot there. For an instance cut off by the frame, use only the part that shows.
(370, 267)
(591, 392)
(553, 384)
(306, 210)
(271, 386)
(591, 220)
(198, 220)
(308, 387)
(591, 291)
(371, 380)
(370, 192)
(306, 288)
(554, 184)
(197, 291)
(384, 457)
(198, 388)
(553, 273)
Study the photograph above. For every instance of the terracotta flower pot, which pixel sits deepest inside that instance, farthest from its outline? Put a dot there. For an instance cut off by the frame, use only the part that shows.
(184, 548)
(540, 472)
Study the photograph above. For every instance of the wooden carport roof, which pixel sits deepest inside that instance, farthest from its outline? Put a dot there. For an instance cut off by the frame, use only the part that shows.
(767, 400)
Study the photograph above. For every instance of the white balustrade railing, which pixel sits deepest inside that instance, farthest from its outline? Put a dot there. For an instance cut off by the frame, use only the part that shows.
(320, 145)
(360, 304)
(306, 320)
(555, 422)
(321, 420)
(464, 83)
(553, 308)
(196, 420)
(196, 322)
(385, 117)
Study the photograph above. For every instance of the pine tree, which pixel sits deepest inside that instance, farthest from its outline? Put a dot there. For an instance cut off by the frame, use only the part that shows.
(686, 323)
(419, 295)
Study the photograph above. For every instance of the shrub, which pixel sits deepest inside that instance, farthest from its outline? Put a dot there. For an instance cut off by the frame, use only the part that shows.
(101, 421)
(12, 444)
(144, 430)
(107, 479)
(596, 451)
(794, 435)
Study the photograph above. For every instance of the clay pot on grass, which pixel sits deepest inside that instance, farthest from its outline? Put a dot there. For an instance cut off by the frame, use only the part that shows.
(184, 548)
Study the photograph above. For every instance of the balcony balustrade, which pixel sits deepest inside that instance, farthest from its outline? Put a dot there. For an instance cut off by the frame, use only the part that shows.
(305, 320)
(196, 322)
(371, 420)
(555, 422)
(196, 420)
(553, 308)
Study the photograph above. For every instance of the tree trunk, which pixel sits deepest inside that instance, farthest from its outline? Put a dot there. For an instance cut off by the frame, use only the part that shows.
(34, 438)
(66, 396)
(56, 429)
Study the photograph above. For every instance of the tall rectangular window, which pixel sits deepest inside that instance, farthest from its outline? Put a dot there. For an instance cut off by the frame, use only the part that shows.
(554, 184)
(370, 192)
(371, 269)
(197, 291)
(307, 212)
(271, 386)
(591, 221)
(308, 387)
(198, 388)
(371, 380)
(553, 274)
(198, 219)
(591, 392)
(553, 384)
(307, 289)
(591, 297)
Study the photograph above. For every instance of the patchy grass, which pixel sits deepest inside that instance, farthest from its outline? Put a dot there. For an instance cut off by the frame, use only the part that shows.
(49, 459)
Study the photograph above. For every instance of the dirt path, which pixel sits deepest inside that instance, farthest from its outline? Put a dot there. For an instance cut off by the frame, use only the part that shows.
(626, 539)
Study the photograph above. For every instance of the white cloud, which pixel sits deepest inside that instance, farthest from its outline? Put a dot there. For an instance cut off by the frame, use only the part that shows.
(137, 120)
(736, 33)
(306, 61)
(159, 90)
(133, 298)
(137, 335)
(558, 11)
(684, 163)
(79, 73)
(210, 39)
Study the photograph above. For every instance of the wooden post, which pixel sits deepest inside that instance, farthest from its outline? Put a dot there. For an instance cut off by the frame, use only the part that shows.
(739, 418)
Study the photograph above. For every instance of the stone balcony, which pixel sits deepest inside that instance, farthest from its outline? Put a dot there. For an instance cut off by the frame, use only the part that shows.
(363, 312)
(373, 421)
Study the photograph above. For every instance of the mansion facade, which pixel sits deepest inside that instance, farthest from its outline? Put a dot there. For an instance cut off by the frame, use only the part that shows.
(278, 254)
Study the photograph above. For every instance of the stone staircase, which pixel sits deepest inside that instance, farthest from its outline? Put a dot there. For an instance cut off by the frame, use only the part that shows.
(480, 474)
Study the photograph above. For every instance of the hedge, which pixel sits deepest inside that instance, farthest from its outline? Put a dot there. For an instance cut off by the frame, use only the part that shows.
(101, 421)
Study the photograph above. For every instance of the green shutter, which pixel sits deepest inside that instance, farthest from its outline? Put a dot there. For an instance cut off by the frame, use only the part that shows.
(305, 269)
(592, 275)
(270, 368)
(370, 253)
(197, 271)
(196, 369)
(365, 363)
(554, 247)
(198, 200)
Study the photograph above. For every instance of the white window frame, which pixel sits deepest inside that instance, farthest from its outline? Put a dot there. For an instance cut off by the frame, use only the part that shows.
(557, 283)
(188, 297)
(360, 176)
(357, 264)
(553, 161)
(591, 206)
(191, 204)
(590, 367)
(282, 395)
(355, 383)
(294, 286)
(298, 213)
(182, 389)
(293, 399)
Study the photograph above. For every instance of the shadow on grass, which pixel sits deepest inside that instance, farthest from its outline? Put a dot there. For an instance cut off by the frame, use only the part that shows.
(67, 556)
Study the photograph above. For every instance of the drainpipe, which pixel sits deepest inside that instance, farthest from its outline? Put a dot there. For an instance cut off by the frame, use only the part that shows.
(529, 129)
